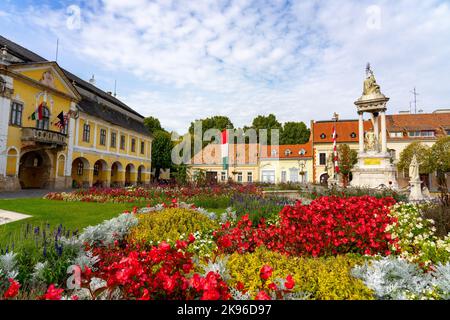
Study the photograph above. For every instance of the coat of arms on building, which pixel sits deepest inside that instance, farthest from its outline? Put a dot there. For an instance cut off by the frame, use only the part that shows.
(48, 79)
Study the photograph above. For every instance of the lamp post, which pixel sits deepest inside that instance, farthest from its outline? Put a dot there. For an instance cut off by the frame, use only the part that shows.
(302, 164)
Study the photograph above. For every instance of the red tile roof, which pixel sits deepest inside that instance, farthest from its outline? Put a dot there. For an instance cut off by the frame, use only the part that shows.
(296, 151)
(437, 122)
(421, 121)
(347, 131)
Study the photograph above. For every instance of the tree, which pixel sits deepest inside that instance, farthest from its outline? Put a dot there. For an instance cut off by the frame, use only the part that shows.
(294, 133)
(265, 122)
(161, 151)
(215, 122)
(439, 161)
(152, 124)
(422, 153)
(347, 160)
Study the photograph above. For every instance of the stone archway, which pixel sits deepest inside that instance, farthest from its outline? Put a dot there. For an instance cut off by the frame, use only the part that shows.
(324, 179)
(141, 175)
(34, 170)
(100, 173)
(117, 179)
(80, 173)
(130, 175)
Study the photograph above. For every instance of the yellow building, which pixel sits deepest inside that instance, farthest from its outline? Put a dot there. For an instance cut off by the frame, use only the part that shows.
(287, 163)
(243, 163)
(255, 163)
(58, 131)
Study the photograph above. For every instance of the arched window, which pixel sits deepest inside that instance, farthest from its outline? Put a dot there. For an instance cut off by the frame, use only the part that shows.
(45, 122)
(287, 152)
(80, 168)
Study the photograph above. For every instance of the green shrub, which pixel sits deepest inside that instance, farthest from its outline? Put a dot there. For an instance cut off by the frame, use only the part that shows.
(323, 278)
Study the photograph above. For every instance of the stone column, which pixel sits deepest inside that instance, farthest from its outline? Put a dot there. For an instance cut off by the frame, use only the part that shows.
(376, 130)
(107, 178)
(361, 133)
(5, 109)
(71, 139)
(383, 132)
(90, 177)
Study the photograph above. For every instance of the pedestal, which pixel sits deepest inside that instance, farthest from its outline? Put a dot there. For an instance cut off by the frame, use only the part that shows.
(416, 191)
(374, 170)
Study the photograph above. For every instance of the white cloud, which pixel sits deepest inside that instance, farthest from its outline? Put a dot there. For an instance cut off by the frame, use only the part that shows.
(301, 61)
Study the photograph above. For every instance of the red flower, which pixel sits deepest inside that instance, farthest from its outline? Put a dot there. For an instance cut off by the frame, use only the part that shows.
(266, 272)
(191, 238)
(74, 297)
(53, 293)
(273, 286)
(262, 295)
(240, 286)
(13, 289)
(290, 283)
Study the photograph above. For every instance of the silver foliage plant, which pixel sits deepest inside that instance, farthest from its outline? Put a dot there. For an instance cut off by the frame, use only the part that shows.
(105, 233)
(8, 264)
(219, 266)
(397, 279)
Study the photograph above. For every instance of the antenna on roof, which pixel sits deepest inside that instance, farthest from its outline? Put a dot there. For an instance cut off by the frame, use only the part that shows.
(57, 49)
(415, 99)
(115, 88)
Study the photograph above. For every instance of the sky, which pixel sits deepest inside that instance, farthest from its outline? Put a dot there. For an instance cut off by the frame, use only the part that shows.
(301, 60)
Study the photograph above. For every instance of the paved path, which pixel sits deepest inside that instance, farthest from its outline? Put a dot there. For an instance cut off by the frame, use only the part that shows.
(9, 216)
(30, 193)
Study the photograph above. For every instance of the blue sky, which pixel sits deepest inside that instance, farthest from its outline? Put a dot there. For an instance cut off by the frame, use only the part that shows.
(302, 60)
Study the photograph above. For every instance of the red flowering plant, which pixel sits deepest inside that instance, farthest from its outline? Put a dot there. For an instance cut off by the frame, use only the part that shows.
(278, 289)
(52, 293)
(334, 225)
(242, 237)
(327, 226)
(160, 272)
(12, 289)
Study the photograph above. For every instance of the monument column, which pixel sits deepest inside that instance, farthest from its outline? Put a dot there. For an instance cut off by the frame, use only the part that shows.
(361, 132)
(383, 132)
(376, 130)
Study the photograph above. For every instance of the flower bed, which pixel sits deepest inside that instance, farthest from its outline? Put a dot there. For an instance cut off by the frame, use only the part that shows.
(218, 194)
(333, 248)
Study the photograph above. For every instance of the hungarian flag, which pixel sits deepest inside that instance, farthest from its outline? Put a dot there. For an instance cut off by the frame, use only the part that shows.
(38, 113)
(224, 149)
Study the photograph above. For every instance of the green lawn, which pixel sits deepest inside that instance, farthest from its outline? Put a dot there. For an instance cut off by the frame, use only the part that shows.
(73, 215)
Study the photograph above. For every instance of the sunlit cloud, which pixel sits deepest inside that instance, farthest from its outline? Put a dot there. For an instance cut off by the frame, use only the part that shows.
(301, 60)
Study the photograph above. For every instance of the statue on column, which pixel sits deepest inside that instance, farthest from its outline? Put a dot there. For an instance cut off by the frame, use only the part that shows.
(414, 181)
(370, 141)
(414, 169)
(370, 84)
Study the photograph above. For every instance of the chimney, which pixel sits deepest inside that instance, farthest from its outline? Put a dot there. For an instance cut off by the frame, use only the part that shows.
(92, 80)
(109, 92)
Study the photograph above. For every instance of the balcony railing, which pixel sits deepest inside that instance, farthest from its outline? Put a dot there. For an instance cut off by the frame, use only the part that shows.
(44, 136)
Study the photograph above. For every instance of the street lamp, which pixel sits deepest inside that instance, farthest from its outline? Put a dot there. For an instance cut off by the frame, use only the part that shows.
(302, 165)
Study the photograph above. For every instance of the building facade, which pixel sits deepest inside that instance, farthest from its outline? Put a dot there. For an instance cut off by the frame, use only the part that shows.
(59, 131)
(287, 163)
(250, 163)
